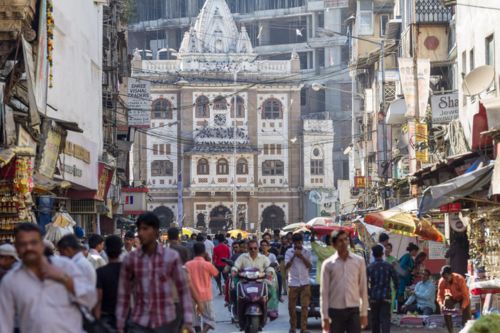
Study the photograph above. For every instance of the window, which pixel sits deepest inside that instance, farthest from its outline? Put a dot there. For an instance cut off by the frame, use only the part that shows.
(266, 149)
(155, 149)
(384, 19)
(162, 168)
(162, 109)
(471, 60)
(272, 109)
(222, 167)
(162, 150)
(272, 149)
(220, 103)
(317, 167)
(490, 50)
(240, 107)
(365, 17)
(273, 168)
(202, 107)
(278, 149)
(242, 167)
(203, 167)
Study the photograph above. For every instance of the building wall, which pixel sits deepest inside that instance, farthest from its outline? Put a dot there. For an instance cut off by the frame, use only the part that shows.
(76, 94)
(485, 23)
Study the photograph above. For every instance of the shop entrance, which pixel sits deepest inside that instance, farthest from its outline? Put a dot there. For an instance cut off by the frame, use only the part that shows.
(273, 217)
(165, 215)
(220, 219)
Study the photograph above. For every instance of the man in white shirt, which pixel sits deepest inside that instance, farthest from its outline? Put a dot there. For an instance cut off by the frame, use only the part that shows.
(298, 264)
(96, 246)
(344, 287)
(42, 292)
(252, 259)
(69, 246)
(209, 246)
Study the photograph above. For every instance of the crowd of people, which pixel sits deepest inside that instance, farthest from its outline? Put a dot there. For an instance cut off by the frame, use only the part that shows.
(138, 284)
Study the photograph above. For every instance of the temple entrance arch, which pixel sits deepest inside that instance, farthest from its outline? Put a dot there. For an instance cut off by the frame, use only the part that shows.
(165, 215)
(273, 217)
(220, 219)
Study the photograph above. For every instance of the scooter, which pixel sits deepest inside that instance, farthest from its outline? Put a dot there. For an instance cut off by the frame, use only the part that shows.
(252, 295)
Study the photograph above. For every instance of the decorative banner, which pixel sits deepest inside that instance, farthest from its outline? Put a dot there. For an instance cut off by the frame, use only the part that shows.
(421, 136)
(444, 108)
(407, 76)
(424, 78)
(105, 176)
(50, 153)
(180, 206)
(139, 103)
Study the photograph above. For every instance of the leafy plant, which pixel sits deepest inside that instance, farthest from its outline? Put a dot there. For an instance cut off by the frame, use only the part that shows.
(487, 324)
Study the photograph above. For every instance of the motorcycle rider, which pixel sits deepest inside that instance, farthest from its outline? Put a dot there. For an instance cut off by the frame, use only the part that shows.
(254, 259)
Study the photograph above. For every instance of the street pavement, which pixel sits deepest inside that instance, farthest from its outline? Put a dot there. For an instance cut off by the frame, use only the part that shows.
(281, 325)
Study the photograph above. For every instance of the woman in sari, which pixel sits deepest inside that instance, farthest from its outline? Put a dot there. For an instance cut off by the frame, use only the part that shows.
(405, 270)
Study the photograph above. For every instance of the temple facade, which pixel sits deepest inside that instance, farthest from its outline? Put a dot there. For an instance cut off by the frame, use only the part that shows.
(227, 146)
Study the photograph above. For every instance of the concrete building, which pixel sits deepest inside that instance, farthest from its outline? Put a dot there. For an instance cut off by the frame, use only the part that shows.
(276, 29)
(228, 144)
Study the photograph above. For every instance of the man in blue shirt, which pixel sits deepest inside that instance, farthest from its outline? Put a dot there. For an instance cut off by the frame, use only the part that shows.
(379, 276)
(423, 300)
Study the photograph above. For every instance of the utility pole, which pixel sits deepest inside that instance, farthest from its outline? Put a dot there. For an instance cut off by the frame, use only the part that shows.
(385, 168)
(235, 193)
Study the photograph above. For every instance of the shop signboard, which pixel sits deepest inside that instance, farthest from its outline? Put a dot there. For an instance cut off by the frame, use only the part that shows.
(360, 181)
(105, 176)
(422, 152)
(79, 161)
(50, 153)
(139, 103)
(407, 76)
(437, 250)
(444, 108)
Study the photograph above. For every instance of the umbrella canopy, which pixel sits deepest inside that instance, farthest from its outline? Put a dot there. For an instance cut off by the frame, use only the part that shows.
(410, 225)
(378, 218)
(317, 221)
(303, 229)
(187, 232)
(327, 230)
(235, 232)
(294, 226)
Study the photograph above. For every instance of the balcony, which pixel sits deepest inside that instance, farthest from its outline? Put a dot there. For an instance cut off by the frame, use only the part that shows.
(432, 11)
(16, 16)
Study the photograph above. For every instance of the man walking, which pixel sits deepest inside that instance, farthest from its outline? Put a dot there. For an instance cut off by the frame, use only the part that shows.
(107, 276)
(175, 244)
(343, 289)
(452, 291)
(147, 274)
(70, 247)
(221, 251)
(96, 246)
(380, 274)
(200, 272)
(298, 264)
(43, 292)
(8, 257)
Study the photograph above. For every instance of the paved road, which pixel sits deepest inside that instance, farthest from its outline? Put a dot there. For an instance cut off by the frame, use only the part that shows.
(281, 325)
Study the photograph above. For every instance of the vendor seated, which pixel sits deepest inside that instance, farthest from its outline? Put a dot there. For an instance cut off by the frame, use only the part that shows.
(423, 299)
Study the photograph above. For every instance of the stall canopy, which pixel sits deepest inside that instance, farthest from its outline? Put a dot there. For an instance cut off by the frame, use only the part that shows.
(456, 188)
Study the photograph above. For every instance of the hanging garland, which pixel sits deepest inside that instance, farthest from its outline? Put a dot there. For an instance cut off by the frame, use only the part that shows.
(50, 37)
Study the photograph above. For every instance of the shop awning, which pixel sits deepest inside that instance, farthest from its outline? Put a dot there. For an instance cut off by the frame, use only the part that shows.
(456, 188)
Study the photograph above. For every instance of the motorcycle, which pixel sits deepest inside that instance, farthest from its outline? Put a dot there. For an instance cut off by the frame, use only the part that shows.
(252, 295)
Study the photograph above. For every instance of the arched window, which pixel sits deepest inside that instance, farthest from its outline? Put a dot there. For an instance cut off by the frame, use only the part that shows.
(162, 109)
(242, 167)
(273, 168)
(203, 167)
(202, 107)
(240, 107)
(162, 168)
(317, 162)
(222, 167)
(220, 103)
(272, 109)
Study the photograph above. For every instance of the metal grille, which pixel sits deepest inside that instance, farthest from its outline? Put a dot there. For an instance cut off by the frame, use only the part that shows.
(390, 91)
(82, 206)
(432, 11)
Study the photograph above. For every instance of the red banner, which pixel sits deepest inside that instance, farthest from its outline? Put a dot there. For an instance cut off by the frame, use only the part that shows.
(105, 177)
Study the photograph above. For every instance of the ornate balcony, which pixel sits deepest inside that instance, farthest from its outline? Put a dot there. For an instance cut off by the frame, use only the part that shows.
(432, 11)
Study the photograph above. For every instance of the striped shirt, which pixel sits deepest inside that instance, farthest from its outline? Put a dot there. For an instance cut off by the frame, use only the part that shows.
(379, 275)
(148, 278)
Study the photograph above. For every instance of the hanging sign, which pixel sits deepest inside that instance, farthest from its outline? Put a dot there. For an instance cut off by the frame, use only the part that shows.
(47, 165)
(444, 108)
(139, 103)
(421, 140)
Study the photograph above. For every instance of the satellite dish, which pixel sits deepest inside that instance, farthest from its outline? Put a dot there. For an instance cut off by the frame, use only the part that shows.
(478, 80)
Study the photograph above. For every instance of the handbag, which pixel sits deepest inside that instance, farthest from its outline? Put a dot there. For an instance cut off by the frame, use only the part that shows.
(93, 325)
